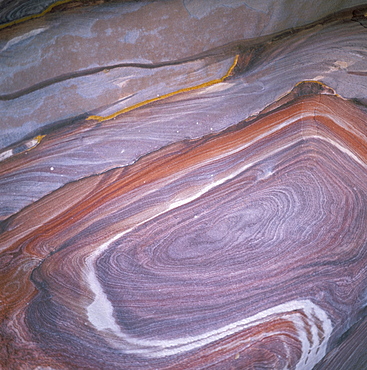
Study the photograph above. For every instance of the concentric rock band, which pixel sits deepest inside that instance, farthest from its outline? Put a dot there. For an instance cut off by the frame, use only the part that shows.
(203, 207)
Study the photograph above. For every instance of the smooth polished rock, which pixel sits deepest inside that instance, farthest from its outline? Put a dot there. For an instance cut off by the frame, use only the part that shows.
(54, 67)
(213, 217)
(208, 252)
(190, 99)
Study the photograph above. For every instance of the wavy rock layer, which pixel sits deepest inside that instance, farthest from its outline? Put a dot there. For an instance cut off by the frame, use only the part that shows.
(205, 228)
(242, 247)
(332, 52)
(104, 59)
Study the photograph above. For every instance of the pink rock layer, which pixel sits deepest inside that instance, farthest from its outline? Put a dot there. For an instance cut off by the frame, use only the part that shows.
(242, 249)
(330, 51)
(187, 207)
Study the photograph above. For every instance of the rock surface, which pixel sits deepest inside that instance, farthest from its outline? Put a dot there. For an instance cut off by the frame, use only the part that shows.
(195, 204)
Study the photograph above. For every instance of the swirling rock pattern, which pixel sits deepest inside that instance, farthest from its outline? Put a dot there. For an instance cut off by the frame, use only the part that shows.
(193, 232)
(267, 69)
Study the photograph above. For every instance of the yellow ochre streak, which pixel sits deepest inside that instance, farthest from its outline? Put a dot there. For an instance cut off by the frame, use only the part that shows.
(35, 141)
(22, 148)
(28, 17)
(128, 109)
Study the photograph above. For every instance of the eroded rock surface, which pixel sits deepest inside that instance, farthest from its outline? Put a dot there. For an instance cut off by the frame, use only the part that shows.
(197, 210)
